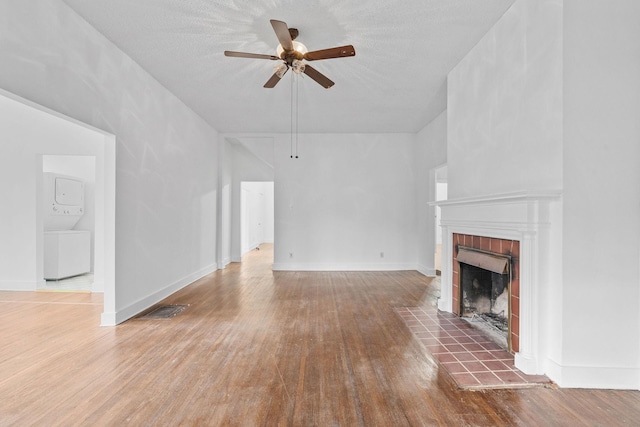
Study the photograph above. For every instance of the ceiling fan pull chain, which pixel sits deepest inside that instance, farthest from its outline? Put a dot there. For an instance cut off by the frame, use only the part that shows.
(291, 144)
(297, 122)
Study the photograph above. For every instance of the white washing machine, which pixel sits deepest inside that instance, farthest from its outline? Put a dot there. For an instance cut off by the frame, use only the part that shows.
(67, 252)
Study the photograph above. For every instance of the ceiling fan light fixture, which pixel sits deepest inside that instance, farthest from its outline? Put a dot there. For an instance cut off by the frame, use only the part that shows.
(280, 70)
(298, 66)
(297, 46)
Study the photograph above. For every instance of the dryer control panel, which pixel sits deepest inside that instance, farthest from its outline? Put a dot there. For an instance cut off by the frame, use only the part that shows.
(63, 201)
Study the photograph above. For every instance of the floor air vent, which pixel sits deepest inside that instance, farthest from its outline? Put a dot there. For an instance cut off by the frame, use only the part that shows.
(164, 312)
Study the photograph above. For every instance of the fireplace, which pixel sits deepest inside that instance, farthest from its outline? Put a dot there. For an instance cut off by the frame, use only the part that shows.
(485, 283)
(526, 227)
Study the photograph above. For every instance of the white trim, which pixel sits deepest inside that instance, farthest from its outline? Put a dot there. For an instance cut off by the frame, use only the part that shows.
(600, 377)
(311, 266)
(97, 286)
(114, 318)
(445, 302)
(518, 196)
(426, 271)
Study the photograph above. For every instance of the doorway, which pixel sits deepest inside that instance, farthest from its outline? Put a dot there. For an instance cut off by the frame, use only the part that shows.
(256, 215)
(66, 249)
(32, 132)
(441, 194)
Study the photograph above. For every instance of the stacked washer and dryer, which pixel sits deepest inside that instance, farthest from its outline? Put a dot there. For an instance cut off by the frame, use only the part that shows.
(67, 252)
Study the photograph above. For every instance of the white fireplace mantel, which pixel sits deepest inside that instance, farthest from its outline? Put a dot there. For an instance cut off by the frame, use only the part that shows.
(507, 211)
(533, 219)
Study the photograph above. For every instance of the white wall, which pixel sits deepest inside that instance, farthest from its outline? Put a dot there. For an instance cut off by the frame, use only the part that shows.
(166, 154)
(601, 244)
(505, 106)
(225, 205)
(269, 220)
(344, 201)
(430, 152)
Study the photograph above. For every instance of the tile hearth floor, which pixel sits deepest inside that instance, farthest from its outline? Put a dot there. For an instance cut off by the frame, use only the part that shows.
(471, 359)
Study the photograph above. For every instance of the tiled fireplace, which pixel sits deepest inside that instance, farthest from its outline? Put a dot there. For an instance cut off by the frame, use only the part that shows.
(519, 227)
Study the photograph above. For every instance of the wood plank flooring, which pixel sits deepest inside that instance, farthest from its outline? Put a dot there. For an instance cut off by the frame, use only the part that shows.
(262, 348)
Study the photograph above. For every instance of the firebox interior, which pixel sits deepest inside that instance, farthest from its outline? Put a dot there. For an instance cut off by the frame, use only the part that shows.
(484, 283)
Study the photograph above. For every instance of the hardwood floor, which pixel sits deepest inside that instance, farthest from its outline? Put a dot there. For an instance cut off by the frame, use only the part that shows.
(257, 347)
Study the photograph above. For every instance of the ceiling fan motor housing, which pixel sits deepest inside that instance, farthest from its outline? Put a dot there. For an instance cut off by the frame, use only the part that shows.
(292, 55)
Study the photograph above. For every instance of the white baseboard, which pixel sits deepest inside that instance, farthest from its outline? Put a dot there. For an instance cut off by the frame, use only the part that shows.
(444, 305)
(527, 364)
(126, 313)
(426, 271)
(97, 286)
(18, 285)
(293, 266)
(108, 319)
(600, 377)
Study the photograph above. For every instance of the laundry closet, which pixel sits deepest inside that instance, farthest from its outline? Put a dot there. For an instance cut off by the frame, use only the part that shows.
(68, 216)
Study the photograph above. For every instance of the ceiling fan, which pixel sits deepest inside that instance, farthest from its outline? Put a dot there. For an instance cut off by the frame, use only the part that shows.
(293, 53)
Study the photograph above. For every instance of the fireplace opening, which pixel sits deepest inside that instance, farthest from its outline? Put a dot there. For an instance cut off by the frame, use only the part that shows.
(484, 284)
(485, 294)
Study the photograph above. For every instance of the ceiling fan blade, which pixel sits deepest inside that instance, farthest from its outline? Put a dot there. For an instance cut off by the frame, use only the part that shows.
(318, 76)
(334, 52)
(249, 55)
(275, 79)
(282, 32)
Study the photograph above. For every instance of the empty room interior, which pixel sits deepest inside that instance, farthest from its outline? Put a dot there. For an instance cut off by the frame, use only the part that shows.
(320, 213)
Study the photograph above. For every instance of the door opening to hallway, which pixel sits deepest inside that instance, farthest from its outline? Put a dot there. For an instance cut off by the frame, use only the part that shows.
(256, 215)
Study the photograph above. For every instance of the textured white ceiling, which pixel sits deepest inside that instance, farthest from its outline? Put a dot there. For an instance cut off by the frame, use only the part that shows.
(395, 83)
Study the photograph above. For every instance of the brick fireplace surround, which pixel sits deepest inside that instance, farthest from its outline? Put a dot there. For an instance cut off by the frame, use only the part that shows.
(501, 247)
